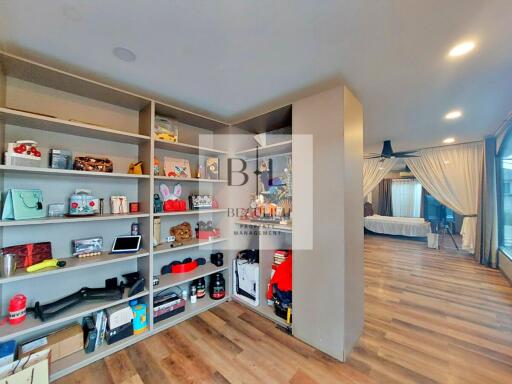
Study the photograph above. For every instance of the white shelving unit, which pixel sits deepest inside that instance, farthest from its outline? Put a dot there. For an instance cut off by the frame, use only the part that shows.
(55, 108)
(72, 219)
(62, 110)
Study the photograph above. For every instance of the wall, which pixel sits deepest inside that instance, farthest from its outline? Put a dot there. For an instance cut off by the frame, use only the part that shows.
(505, 266)
(354, 247)
(332, 219)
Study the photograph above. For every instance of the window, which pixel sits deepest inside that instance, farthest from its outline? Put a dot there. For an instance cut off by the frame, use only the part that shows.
(406, 197)
(505, 188)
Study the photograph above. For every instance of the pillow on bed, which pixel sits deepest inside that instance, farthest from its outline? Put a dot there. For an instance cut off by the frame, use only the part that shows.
(368, 209)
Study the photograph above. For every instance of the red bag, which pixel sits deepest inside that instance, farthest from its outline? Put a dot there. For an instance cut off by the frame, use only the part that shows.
(30, 254)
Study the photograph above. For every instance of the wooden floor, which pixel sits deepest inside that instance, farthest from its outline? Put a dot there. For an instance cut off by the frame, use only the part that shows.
(431, 317)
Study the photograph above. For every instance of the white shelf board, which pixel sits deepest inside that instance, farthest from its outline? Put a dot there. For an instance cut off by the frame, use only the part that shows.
(191, 310)
(190, 179)
(74, 264)
(194, 212)
(166, 248)
(80, 359)
(52, 124)
(283, 147)
(69, 219)
(264, 310)
(267, 226)
(188, 148)
(67, 172)
(172, 279)
(31, 324)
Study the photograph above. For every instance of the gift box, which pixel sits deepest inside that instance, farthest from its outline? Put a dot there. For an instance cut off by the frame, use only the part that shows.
(30, 254)
(205, 235)
(175, 205)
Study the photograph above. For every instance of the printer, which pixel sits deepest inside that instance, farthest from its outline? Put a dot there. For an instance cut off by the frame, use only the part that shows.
(246, 277)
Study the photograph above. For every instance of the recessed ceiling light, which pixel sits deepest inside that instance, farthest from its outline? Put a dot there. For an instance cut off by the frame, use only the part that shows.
(449, 140)
(124, 54)
(452, 115)
(462, 49)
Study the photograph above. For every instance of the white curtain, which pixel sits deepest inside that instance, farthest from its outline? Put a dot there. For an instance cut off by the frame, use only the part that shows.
(453, 175)
(406, 197)
(374, 171)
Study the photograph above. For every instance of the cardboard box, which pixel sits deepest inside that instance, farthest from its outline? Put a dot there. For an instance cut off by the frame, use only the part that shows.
(62, 343)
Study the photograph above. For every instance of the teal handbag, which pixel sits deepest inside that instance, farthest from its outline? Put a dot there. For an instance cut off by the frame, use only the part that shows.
(23, 204)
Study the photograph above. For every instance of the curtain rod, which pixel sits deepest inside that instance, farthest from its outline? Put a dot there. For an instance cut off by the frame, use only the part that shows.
(444, 146)
(448, 145)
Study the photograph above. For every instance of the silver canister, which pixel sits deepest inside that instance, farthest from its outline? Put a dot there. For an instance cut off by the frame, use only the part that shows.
(8, 264)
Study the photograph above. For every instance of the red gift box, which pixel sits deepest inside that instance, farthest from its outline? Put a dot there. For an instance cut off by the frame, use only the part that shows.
(30, 254)
(175, 205)
(205, 235)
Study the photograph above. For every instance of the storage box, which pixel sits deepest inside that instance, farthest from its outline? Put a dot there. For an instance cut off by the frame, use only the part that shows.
(60, 159)
(18, 160)
(7, 350)
(119, 315)
(114, 335)
(62, 343)
(167, 306)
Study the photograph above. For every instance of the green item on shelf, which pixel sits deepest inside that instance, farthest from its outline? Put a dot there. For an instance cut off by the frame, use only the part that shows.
(23, 204)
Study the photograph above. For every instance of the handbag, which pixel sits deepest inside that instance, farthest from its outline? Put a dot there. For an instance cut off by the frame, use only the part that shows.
(30, 254)
(23, 204)
(31, 369)
(93, 164)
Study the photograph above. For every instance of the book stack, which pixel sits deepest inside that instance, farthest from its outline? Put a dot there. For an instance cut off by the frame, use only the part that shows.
(279, 257)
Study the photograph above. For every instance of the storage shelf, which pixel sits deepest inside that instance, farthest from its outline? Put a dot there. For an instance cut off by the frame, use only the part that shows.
(189, 179)
(74, 264)
(67, 172)
(281, 148)
(44, 75)
(80, 359)
(69, 219)
(187, 148)
(191, 310)
(166, 248)
(52, 124)
(194, 212)
(31, 324)
(173, 279)
(267, 226)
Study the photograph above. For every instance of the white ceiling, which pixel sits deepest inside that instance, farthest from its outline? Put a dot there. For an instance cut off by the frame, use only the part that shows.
(233, 58)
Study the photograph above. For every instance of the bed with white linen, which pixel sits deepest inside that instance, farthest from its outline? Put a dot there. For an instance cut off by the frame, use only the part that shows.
(401, 226)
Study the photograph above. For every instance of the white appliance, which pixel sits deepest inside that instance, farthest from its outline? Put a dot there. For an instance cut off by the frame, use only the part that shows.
(246, 281)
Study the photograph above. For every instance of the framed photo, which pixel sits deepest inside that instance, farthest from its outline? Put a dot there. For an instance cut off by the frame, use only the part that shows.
(176, 167)
(212, 168)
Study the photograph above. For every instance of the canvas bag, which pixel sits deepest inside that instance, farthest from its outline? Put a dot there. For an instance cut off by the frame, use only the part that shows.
(32, 369)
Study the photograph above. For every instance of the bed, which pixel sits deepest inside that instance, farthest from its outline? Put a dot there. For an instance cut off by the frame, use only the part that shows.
(401, 226)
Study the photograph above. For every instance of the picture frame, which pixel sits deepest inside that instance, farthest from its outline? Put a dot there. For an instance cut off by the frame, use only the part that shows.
(212, 168)
(177, 168)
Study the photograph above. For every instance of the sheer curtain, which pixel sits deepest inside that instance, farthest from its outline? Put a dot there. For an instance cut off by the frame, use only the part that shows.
(453, 175)
(406, 197)
(374, 171)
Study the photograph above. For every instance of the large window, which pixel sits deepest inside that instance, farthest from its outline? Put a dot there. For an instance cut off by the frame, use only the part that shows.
(406, 197)
(505, 181)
